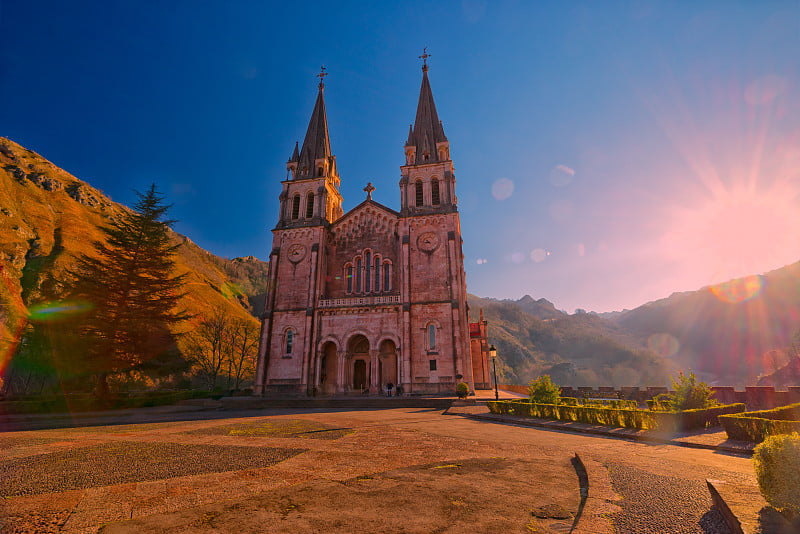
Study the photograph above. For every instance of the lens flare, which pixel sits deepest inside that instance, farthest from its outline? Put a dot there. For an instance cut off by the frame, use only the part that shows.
(538, 255)
(664, 344)
(561, 176)
(502, 189)
(48, 312)
(738, 289)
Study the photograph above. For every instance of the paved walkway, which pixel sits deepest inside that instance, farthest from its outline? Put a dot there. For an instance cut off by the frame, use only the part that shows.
(222, 474)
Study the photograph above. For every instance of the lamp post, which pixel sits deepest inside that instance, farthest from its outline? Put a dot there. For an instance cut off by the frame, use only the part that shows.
(493, 356)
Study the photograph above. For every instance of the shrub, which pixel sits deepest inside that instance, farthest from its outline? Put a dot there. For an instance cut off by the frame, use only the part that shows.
(690, 394)
(462, 390)
(757, 426)
(777, 465)
(542, 390)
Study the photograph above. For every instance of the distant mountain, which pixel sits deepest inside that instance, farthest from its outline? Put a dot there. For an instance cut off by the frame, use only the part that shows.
(48, 218)
(729, 333)
(534, 338)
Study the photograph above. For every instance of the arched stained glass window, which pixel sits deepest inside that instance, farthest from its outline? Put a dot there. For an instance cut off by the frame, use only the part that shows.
(358, 275)
(377, 274)
(418, 193)
(431, 337)
(435, 192)
(289, 341)
(368, 277)
(387, 276)
(349, 276)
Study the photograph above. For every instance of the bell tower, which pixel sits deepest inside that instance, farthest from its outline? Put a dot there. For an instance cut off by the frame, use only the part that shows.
(433, 288)
(310, 193)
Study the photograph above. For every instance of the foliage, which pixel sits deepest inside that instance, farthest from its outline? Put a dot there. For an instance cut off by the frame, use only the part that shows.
(758, 425)
(543, 390)
(129, 282)
(614, 416)
(222, 345)
(689, 395)
(777, 466)
(462, 390)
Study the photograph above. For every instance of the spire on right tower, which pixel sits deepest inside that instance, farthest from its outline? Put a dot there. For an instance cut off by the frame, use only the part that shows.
(427, 142)
(428, 180)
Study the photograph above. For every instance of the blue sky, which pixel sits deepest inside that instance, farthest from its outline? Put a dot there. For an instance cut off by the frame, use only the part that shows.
(606, 153)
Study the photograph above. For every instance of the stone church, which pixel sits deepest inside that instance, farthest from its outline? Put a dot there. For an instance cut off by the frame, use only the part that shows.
(374, 296)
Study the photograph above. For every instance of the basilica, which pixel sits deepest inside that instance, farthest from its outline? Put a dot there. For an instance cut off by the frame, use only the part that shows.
(374, 298)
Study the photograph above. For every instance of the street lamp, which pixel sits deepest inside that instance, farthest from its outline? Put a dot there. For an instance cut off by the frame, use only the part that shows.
(493, 356)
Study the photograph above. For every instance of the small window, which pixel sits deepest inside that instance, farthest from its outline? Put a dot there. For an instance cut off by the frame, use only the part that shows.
(435, 192)
(431, 337)
(310, 206)
(387, 276)
(319, 171)
(296, 207)
(432, 363)
(418, 193)
(358, 276)
(368, 277)
(377, 274)
(289, 341)
(349, 275)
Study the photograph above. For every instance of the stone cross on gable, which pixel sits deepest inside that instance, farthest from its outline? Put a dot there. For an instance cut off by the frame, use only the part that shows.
(369, 189)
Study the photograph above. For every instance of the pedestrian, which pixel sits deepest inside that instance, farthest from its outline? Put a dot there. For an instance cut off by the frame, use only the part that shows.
(389, 387)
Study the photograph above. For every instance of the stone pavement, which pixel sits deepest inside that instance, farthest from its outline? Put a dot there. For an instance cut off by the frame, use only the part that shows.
(272, 470)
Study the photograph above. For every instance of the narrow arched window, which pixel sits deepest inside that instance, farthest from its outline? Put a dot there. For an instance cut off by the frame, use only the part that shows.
(319, 171)
(377, 274)
(310, 206)
(349, 276)
(368, 277)
(435, 192)
(418, 193)
(431, 337)
(296, 207)
(289, 341)
(387, 276)
(358, 275)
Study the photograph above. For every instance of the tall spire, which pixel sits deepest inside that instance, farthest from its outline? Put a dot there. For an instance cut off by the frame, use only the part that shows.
(317, 144)
(427, 131)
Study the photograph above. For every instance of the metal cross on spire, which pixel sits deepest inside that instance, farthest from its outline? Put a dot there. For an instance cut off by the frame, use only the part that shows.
(321, 76)
(369, 189)
(424, 57)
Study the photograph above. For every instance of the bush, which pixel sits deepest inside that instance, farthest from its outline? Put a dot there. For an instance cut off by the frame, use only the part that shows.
(462, 390)
(542, 390)
(777, 465)
(757, 426)
(689, 394)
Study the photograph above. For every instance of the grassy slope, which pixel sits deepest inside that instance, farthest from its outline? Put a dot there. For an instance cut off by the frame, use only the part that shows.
(44, 226)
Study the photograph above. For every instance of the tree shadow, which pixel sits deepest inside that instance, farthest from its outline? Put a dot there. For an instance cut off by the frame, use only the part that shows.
(583, 482)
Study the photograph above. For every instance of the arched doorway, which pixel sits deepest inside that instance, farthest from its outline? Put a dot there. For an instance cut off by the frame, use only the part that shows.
(359, 350)
(388, 359)
(328, 369)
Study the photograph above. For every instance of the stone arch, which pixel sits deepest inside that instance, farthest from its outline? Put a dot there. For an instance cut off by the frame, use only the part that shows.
(359, 362)
(330, 338)
(328, 369)
(352, 334)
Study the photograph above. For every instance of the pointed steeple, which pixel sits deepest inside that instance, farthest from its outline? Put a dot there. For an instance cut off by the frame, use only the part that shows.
(427, 132)
(317, 144)
(295, 155)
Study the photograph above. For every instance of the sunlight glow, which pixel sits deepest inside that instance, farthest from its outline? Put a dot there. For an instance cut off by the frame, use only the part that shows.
(46, 312)
(738, 289)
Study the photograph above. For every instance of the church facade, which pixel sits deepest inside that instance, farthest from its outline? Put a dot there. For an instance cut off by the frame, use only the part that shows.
(371, 297)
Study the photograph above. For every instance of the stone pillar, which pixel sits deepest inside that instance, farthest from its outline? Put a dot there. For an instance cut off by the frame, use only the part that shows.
(341, 381)
(375, 379)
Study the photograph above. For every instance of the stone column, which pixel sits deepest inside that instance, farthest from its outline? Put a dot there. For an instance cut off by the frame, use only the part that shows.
(375, 380)
(341, 358)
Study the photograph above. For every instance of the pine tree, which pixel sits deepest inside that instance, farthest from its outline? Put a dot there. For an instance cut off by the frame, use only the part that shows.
(129, 282)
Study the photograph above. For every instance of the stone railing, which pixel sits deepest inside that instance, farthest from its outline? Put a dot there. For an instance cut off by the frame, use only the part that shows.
(359, 301)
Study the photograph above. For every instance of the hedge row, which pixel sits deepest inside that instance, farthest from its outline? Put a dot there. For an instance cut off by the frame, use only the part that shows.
(609, 403)
(618, 417)
(757, 426)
